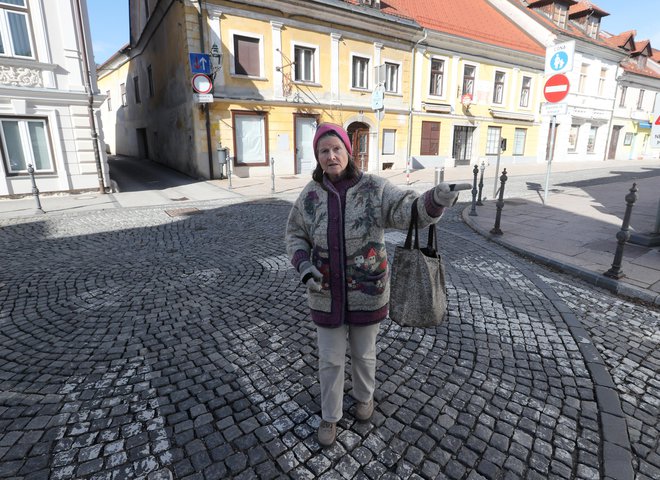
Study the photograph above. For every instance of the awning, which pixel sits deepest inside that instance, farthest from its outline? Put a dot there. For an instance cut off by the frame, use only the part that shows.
(644, 124)
(525, 117)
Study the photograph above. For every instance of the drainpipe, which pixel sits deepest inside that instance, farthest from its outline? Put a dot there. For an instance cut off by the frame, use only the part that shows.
(205, 105)
(412, 97)
(90, 94)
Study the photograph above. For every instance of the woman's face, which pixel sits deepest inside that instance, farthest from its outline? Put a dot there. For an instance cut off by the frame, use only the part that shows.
(333, 156)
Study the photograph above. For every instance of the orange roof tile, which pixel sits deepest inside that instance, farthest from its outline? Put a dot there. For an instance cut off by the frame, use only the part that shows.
(642, 45)
(631, 66)
(571, 28)
(656, 55)
(619, 40)
(586, 6)
(473, 19)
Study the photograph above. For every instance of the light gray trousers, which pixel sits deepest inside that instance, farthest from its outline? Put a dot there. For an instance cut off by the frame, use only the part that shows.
(332, 343)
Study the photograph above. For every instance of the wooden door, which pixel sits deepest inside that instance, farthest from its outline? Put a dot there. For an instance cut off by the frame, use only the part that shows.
(359, 134)
(430, 141)
(614, 141)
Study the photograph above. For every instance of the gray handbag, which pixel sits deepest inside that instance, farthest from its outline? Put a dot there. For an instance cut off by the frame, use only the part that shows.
(418, 294)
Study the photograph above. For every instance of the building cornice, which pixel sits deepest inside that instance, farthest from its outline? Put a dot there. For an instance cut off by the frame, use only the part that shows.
(334, 13)
(40, 96)
(632, 79)
(437, 42)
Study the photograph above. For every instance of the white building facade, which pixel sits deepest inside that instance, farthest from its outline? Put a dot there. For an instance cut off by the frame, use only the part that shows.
(48, 99)
(582, 133)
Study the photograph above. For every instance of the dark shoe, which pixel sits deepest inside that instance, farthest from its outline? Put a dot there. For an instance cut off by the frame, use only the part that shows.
(327, 433)
(364, 410)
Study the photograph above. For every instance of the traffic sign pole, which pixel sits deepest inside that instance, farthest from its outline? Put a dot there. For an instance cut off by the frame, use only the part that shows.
(553, 126)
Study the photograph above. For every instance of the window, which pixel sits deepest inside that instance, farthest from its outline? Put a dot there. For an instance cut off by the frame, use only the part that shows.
(360, 72)
(250, 133)
(391, 77)
(109, 100)
(15, 40)
(247, 59)
(25, 142)
(640, 99)
(304, 64)
(573, 138)
(136, 88)
(591, 143)
(389, 140)
(493, 140)
(627, 140)
(622, 100)
(592, 26)
(122, 88)
(525, 91)
(468, 79)
(498, 88)
(519, 137)
(559, 14)
(437, 76)
(584, 69)
(150, 81)
(641, 62)
(601, 81)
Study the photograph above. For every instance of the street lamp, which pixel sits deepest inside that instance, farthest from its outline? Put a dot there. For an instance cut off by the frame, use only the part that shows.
(216, 60)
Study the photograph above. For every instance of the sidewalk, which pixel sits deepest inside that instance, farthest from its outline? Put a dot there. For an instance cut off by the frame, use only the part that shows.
(574, 232)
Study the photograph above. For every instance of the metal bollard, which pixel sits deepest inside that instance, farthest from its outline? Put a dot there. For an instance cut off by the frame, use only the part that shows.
(229, 169)
(623, 236)
(439, 175)
(500, 204)
(35, 190)
(473, 210)
(481, 182)
(272, 175)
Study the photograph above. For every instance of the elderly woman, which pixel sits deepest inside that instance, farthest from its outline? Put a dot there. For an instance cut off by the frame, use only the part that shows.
(335, 240)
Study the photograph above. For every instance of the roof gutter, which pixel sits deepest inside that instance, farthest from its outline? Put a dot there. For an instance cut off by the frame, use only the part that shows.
(80, 26)
(205, 106)
(412, 98)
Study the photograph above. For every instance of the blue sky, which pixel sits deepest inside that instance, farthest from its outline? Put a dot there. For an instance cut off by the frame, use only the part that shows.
(109, 22)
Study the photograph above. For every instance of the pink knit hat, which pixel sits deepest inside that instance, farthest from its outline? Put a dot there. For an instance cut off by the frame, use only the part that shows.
(324, 128)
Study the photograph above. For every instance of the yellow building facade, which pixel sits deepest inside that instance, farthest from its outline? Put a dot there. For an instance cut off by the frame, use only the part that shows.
(280, 68)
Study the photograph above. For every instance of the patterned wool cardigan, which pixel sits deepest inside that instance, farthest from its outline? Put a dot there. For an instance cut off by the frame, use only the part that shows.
(347, 245)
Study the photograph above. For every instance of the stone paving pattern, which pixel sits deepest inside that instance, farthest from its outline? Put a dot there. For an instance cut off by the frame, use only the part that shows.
(136, 344)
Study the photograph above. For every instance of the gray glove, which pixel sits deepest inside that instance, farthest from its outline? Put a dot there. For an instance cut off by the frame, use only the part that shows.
(310, 276)
(446, 196)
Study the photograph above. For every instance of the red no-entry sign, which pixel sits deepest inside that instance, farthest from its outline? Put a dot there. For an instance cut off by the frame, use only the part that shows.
(556, 88)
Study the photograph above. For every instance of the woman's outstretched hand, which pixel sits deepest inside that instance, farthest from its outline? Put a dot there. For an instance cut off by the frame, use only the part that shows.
(447, 195)
(310, 276)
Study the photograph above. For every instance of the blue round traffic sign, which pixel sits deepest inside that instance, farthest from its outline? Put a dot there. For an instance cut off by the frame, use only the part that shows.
(558, 61)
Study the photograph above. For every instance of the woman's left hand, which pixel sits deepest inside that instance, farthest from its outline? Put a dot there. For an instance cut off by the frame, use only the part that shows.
(447, 195)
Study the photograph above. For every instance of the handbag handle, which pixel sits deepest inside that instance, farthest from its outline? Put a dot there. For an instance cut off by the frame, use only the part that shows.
(432, 242)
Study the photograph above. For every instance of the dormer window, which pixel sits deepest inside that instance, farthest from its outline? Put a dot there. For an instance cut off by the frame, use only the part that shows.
(559, 14)
(641, 61)
(370, 3)
(593, 24)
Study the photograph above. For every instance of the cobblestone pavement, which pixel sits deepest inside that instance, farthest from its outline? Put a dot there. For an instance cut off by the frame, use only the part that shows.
(145, 344)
